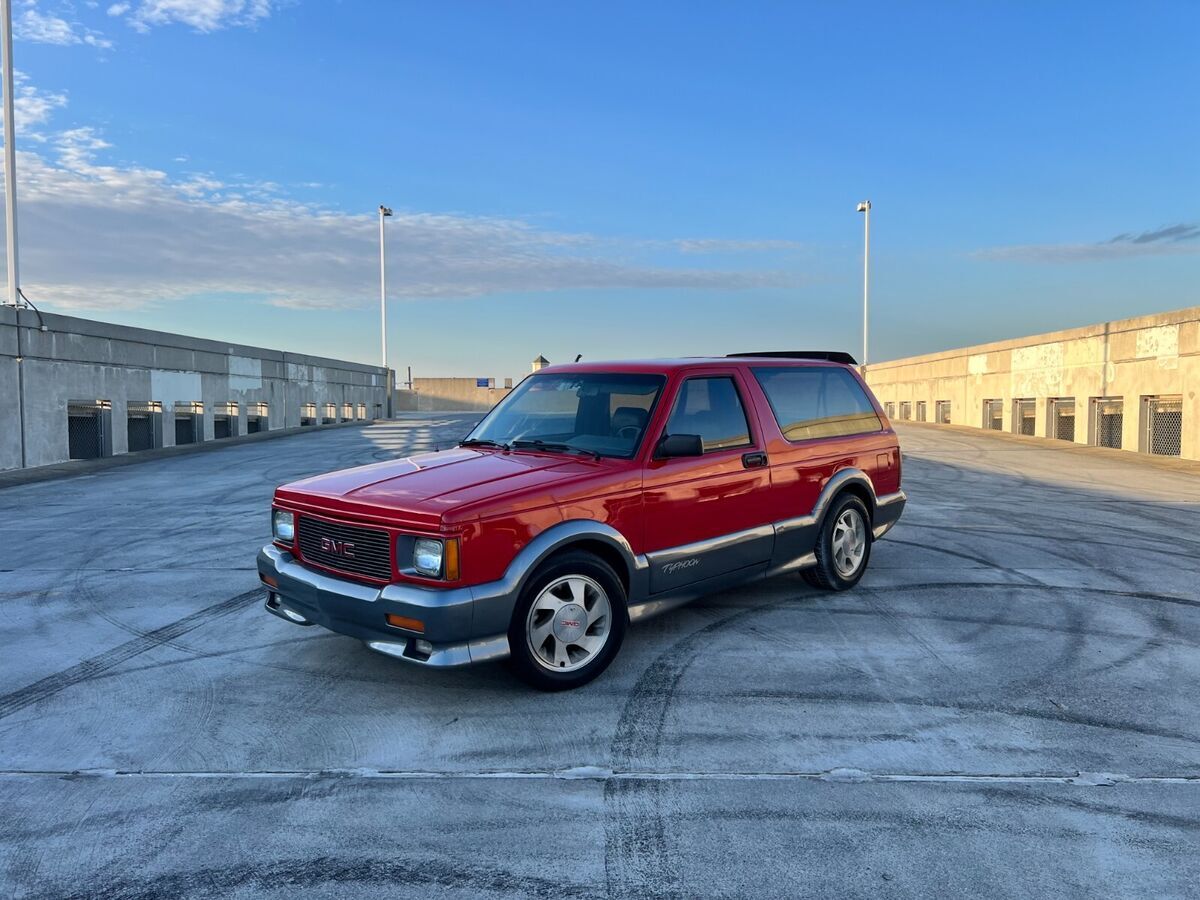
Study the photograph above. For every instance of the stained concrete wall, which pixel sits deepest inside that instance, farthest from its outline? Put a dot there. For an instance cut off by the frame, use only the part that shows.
(1133, 359)
(78, 359)
(445, 394)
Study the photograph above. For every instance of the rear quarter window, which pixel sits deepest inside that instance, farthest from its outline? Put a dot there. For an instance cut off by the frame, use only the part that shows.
(817, 402)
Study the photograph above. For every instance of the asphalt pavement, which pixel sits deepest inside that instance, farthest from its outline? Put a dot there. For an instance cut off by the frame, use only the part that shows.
(1006, 706)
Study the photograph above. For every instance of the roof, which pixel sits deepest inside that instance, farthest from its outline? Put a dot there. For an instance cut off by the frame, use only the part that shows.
(666, 366)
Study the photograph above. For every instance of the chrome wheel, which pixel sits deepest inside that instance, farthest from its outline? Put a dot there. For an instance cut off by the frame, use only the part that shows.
(849, 542)
(568, 623)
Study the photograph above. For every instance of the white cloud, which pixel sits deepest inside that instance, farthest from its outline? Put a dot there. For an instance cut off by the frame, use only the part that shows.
(97, 235)
(202, 15)
(720, 245)
(44, 28)
(1182, 237)
(31, 25)
(32, 107)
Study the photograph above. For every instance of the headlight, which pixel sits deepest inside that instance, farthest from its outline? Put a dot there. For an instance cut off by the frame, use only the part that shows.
(283, 525)
(427, 557)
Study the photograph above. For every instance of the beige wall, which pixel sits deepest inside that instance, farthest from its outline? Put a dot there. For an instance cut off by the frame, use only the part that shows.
(1156, 355)
(444, 394)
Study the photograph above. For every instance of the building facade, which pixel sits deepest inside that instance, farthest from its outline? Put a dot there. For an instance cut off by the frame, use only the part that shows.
(72, 388)
(1131, 384)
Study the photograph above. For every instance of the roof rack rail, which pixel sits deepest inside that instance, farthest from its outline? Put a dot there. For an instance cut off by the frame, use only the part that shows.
(836, 356)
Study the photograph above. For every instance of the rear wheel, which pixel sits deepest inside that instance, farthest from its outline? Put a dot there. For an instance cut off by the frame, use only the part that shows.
(569, 622)
(843, 546)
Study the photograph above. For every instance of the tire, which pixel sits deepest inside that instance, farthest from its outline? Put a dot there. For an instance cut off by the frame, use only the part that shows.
(840, 566)
(557, 606)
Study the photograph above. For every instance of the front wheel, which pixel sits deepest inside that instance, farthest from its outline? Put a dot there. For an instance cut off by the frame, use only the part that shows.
(843, 546)
(568, 623)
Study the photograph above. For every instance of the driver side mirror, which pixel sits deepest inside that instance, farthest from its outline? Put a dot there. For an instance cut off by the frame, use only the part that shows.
(676, 445)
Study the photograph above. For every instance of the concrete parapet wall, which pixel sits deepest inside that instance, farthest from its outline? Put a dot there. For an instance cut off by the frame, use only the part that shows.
(81, 360)
(1132, 359)
(445, 394)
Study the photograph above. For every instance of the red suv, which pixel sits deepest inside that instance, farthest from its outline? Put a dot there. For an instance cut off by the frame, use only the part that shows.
(592, 496)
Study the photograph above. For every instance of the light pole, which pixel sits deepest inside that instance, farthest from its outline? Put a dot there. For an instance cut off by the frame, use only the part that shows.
(865, 209)
(10, 153)
(384, 212)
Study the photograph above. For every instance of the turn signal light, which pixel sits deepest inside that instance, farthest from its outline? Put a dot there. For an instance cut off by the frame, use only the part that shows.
(450, 564)
(268, 580)
(406, 623)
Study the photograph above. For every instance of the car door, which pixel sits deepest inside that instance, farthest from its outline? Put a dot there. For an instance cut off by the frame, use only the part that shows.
(707, 515)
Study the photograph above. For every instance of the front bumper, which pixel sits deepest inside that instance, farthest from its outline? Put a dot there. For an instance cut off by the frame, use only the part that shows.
(305, 597)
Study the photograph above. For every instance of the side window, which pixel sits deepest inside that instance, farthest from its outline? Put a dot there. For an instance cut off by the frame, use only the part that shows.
(817, 402)
(711, 408)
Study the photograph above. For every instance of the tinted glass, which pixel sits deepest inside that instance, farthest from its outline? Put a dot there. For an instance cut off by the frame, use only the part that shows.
(604, 413)
(817, 402)
(711, 408)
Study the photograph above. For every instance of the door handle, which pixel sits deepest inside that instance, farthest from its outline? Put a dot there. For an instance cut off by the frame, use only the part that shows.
(754, 460)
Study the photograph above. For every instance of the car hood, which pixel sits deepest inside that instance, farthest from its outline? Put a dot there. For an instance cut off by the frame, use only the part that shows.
(420, 490)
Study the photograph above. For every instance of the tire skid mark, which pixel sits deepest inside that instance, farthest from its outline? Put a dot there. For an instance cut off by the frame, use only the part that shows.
(979, 560)
(1052, 588)
(89, 668)
(637, 858)
(1064, 717)
(312, 873)
(1151, 818)
(637, 849)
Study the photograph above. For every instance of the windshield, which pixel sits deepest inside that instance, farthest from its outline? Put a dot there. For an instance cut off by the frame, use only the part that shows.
(599, 413)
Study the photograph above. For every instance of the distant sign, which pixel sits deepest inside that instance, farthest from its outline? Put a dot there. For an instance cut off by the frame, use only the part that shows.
(483, 382)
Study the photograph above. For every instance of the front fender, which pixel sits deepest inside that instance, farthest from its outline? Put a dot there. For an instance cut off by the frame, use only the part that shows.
(494, 602)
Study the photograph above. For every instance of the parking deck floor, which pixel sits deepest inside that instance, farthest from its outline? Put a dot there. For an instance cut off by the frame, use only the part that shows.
(1006, 706)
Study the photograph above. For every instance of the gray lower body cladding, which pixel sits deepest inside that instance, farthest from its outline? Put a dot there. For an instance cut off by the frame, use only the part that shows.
(470, 624)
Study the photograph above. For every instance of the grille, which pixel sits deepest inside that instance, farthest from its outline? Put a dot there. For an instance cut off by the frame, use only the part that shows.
(185, 429)
(85, 428)
(993, 415)
(1062, 418)
(140, 432)
(1023, 416)
(372, 548)
(1164, 425)
(1109, 421)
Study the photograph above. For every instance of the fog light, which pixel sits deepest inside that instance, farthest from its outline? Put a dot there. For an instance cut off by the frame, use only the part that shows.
(406, 623)
(423, 647)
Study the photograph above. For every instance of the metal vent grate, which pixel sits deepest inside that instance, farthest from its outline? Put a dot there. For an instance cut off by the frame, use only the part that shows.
(1062, 418)
(85, 428)
(347, 548)
(993, 415)
(941, 412)
(1024, 416)
(1164, 425)
(143, 425)
(1108, 421)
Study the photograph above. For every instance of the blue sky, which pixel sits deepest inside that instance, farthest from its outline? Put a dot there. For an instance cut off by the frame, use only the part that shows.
(612, 179)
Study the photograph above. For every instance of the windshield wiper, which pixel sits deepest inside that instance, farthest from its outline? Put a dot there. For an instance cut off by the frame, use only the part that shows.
(553, 447)
(478, 442)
